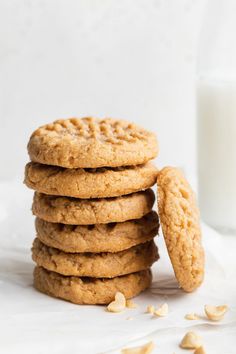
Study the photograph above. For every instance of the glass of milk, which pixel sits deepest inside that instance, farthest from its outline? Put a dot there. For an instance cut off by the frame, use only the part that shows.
(216, 116)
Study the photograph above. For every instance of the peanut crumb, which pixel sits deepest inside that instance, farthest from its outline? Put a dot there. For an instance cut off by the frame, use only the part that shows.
(191, 340)
(145, 349)
(191, 316)
(130, 304)
(200, 350)
(150, 309)
(162, 311)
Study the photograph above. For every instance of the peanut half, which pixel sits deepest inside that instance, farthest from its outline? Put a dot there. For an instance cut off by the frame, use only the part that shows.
(119, 304)
(215, 313)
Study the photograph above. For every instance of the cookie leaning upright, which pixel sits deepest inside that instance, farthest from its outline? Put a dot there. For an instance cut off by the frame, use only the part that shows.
(92, 143)
(179, 217)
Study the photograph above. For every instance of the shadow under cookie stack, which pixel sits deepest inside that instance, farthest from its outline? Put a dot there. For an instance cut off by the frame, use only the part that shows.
(93, 206)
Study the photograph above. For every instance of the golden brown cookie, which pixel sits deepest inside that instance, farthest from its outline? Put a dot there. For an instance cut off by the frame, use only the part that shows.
(87, 183)
(112, 237)
(75, 211)
(90, 291)
(179, 217)
(92, 143)
(97, 265)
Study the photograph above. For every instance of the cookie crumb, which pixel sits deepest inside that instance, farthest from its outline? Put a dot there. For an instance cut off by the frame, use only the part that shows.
(215, 313)
(162, 311)
(119, 304)
(130, 304)
(129, 318)
(191, 340)
(191, 316)
(145, 349)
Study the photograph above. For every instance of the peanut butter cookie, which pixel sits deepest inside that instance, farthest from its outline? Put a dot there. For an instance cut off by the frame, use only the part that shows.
(112, 237)
(179, 217)
(92, 143)
(97, 265)
(75, 211)
(90, 291)
(87, 183)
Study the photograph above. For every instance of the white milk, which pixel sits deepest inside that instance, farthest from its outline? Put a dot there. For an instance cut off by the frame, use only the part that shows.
(216, 107)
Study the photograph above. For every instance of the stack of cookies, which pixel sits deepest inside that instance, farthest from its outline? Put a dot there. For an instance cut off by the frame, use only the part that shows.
(93, 206)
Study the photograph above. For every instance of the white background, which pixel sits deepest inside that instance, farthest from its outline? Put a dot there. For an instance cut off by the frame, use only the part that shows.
(130, 59)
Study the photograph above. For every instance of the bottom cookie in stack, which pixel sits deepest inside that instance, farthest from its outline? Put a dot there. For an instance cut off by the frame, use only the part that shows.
(90, 291)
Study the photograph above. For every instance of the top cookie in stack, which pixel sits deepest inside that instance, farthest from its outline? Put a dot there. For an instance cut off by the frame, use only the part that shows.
(91, 158)
(92, 143)
(91, 173)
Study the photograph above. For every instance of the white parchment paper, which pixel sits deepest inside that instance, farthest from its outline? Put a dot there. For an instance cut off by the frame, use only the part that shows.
(31, 322)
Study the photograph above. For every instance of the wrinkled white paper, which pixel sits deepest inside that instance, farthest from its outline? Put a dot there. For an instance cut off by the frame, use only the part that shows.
(31, 322)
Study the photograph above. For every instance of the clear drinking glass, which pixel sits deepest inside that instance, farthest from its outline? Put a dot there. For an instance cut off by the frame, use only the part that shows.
(216, 116)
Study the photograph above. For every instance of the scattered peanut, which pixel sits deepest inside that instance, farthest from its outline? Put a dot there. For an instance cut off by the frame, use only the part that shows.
(130, 304)
(191, 341)
(200, 350)
(215, 313)
(145, 349)
(150, 309)
(191, 316)
(118, 304)
(162, 311)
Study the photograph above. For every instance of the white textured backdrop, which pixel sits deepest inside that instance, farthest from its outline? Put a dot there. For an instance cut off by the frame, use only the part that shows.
(131, 59)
